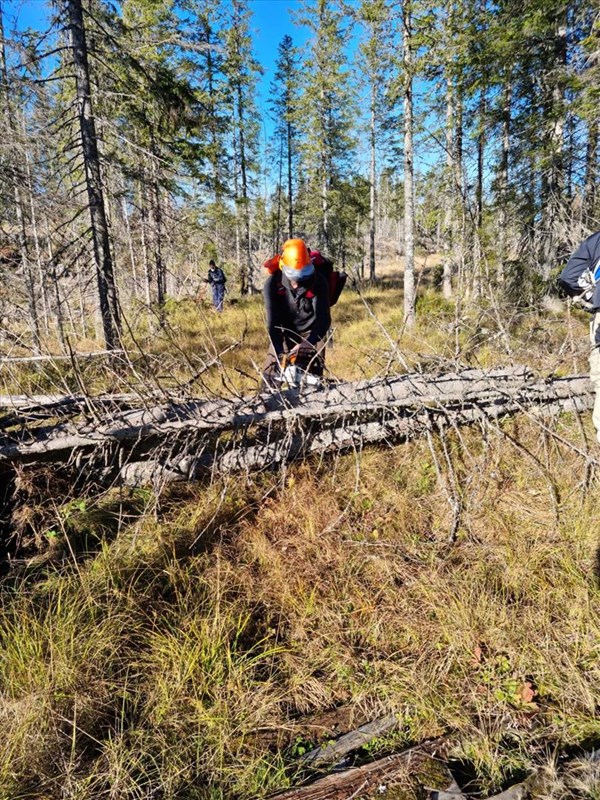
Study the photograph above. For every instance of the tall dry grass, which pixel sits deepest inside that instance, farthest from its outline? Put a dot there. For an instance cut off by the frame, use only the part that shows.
(192, 650)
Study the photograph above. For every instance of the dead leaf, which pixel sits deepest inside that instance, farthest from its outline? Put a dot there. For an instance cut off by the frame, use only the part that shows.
(527, 692)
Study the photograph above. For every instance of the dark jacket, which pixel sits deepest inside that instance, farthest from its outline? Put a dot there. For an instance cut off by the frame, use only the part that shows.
(216, 276)
(585, 257)
(296, 314)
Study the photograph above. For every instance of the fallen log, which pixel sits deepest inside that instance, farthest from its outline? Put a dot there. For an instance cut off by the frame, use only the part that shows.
(365, 779)
(349, 742)
(183, 440)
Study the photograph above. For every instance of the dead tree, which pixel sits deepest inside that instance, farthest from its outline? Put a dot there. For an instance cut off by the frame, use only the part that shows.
(121, 439)
(107, 291)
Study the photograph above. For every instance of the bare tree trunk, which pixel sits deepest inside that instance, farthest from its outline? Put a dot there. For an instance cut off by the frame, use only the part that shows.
(132, 259)
(478, 232)
(157, 235)
(373, 178)
(450, 195)
(504, 162)
(60, 324)
(277, 221)
(409, 211)
(144, 240)
(238, 250)
(289, 181)
(36, 239)
(324, 202)
(249, 283)
(184, 440)
(553, 179)
(11, 130)
(591, 174)
(107, 290)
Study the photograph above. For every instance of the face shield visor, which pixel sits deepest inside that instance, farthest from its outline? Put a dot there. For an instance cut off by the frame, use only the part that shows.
(298, 275)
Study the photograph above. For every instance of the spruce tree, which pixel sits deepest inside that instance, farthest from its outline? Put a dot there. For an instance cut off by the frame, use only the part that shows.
(328, 107)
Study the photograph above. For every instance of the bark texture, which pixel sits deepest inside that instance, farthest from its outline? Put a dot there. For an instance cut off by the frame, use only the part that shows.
(109, 307)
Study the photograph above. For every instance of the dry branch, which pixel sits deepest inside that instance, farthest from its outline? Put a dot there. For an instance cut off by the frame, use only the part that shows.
(70, 357)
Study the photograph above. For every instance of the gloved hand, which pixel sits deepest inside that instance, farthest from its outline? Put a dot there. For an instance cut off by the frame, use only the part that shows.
(303, 352)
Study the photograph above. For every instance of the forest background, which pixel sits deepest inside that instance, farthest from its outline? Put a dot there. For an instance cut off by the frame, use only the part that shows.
(195, 640)
(386, 125)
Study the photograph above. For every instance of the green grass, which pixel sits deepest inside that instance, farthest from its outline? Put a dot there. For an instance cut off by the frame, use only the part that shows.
(188, 648)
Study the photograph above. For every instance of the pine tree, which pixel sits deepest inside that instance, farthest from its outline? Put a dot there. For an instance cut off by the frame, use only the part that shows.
(284, 107)
(328, 105)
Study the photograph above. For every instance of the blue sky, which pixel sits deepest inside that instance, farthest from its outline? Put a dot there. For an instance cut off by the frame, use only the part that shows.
(271, 21)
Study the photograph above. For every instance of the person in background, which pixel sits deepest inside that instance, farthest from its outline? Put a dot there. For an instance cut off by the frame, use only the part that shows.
(217, 280)
(581, 280)
(297, 307)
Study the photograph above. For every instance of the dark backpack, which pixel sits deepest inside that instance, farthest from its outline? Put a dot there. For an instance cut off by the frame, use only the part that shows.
(336, 280)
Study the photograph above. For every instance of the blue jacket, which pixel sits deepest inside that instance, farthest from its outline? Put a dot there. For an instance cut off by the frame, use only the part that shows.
(585, 257)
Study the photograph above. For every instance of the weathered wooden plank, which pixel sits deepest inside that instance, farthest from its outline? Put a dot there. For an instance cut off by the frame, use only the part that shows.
(353, 740)
(383, 771)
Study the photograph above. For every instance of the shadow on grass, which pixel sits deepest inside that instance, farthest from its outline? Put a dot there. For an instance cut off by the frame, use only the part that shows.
(39, 532)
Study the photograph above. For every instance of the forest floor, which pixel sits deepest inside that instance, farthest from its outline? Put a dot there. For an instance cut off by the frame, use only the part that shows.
(195, 645)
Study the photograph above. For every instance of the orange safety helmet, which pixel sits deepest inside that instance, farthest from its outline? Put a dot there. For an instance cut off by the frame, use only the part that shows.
(295, 261)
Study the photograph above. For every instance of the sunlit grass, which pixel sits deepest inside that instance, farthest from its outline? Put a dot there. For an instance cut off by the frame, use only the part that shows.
(176, 647)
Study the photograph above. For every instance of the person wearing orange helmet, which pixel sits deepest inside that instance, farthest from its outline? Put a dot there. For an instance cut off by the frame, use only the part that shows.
(298, 316)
